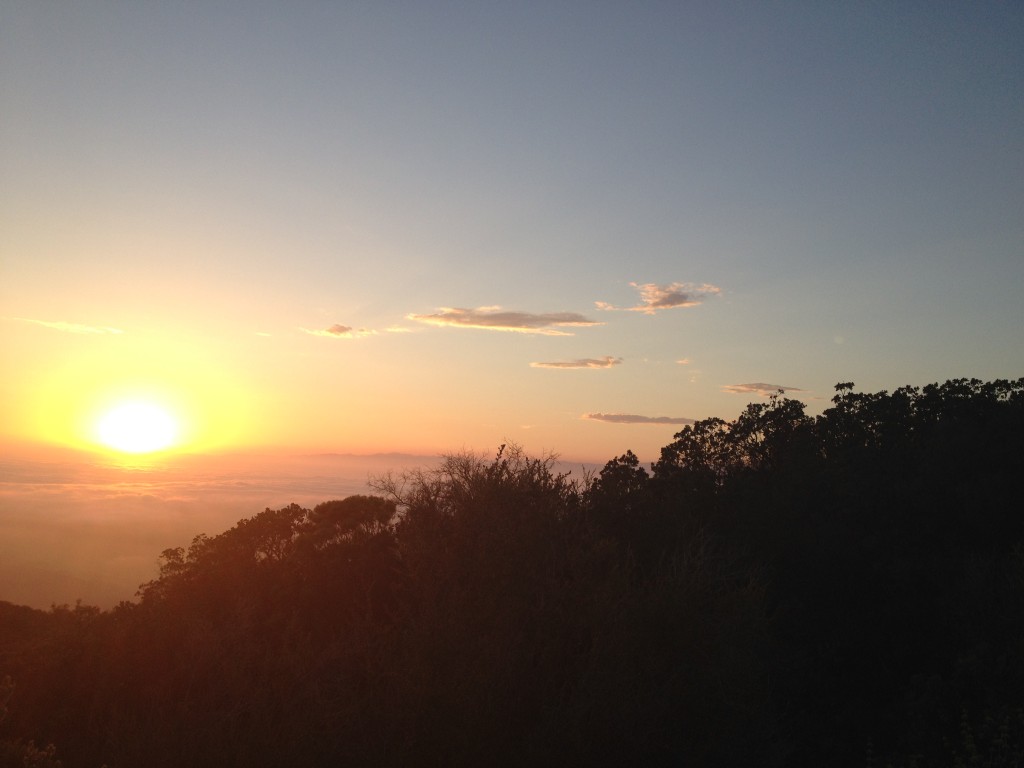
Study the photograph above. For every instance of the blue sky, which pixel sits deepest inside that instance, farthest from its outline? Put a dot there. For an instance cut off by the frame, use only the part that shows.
(279, 206)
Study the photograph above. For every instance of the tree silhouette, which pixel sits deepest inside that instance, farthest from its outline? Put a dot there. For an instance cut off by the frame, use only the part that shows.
(779, 589)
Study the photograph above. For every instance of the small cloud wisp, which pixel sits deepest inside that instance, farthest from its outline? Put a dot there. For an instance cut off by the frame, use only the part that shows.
(630, 418)
(494, 319)
(60, 325)
(758, 388)
(588, 362)
(339, 331)
(654, 297)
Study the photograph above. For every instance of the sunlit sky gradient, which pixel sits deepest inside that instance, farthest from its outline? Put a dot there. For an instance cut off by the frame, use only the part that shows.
(422, 227)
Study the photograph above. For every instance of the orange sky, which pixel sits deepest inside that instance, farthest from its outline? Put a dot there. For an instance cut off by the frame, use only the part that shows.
(350, 228)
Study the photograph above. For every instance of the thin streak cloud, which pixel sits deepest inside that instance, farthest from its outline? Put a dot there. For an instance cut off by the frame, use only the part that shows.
(654, 297)
(60, 325)
(631, 418)
(587, 362)
(494, 319)
(758, 388)
(338, 331)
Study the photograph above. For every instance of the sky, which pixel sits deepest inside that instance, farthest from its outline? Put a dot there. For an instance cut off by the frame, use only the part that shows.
(423, 227)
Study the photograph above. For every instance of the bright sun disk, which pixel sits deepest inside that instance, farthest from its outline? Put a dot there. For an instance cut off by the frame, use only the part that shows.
(137, 428)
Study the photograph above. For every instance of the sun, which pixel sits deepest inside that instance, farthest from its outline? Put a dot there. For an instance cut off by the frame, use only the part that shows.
(137, 427)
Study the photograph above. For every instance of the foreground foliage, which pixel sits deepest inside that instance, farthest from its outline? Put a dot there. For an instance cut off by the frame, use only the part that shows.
(777, 590)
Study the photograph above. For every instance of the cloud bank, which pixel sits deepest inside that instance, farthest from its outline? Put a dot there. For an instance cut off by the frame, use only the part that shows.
(494, 319)
(630, 418)
(654, 297)
(758, 388)
(72, 526)
(587, 362)
(60, 325)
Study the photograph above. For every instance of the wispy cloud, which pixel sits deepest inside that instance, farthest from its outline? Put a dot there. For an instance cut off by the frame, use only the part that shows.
(60, 325)
(587, 362)
(495, 319)
(631, 418)
(339, 331)
(683, 361)
(654, 297)
(758, 388)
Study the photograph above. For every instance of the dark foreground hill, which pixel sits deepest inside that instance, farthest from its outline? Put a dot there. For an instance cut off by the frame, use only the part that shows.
(777, 590)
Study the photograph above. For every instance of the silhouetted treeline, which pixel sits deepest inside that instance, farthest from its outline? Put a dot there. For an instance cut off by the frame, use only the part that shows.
(779, 590)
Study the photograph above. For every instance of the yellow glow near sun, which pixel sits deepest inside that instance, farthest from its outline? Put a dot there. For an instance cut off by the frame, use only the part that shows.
(137, 427)
(198, 399)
